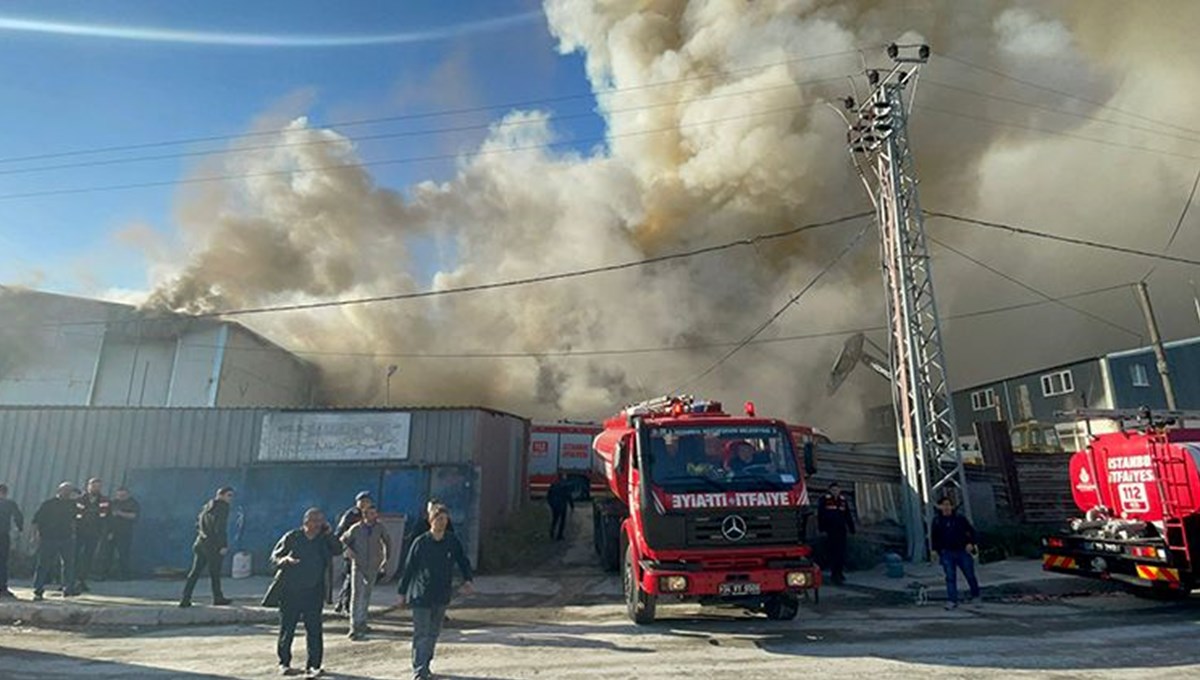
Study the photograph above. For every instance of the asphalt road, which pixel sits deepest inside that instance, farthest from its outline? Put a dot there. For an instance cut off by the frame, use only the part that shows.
(581, 632)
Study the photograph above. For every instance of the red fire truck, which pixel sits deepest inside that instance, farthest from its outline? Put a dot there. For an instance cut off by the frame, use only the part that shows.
(703, 506)
(1139, 490)
(563, 448)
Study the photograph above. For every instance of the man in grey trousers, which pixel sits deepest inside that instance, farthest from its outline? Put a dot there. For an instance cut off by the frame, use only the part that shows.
(367, 547)
(427, 585)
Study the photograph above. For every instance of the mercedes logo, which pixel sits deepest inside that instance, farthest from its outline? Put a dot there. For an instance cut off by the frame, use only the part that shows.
(733, 528)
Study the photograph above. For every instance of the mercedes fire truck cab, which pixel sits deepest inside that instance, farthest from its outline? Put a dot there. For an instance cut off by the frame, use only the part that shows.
(704, 507)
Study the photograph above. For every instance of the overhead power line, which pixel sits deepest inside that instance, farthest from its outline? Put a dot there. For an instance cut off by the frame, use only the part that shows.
(777, 313)
(402, 133)
(1178, 224)
(392, 161)
(496, 285)
(514, 104)
(1037, 291)
(1063, 239)
(1061, 93)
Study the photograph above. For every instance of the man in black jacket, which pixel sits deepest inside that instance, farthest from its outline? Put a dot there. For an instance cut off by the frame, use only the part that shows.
(10, 514)
(54, 530)
(953, 539)
(559, 498)
(836, 521)
(212, 542)
(426, 585)
(301, 559)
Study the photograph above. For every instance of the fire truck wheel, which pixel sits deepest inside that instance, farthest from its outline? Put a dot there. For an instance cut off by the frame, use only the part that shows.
(640, 604)
(610, 544)
(782, 607)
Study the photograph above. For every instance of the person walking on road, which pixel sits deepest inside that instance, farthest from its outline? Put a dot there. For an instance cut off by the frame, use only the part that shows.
(10, 514)
(54, 532)
(367, 548)
(426, 585)
(953, 539)
(559, 498)
(92, 513)
(125, 511)
(353, 515)
(212, 542)
(301, 559)
(835, 520)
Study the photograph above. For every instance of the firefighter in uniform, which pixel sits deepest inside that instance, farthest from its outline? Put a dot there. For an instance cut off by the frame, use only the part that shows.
(92, 511)
(835, 520)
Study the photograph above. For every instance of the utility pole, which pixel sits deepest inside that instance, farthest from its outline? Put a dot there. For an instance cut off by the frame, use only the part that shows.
(1160, 354)
(926, 431)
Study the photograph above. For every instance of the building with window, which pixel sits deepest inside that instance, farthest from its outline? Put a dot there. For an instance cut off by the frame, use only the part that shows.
(1029, 402)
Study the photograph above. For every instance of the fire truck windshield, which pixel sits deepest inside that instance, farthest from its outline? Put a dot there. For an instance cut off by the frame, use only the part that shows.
(704, 458)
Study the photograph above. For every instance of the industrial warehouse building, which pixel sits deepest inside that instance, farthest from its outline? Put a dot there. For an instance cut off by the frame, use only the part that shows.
(280, 461)
(67, 351)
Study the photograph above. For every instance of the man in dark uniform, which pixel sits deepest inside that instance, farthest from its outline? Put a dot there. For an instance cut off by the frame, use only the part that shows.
(125, 511)
(54, 530)
(92, 511)
(212, 527)
(10, 514)
(353, 515)
(559, 498)
(836, 521)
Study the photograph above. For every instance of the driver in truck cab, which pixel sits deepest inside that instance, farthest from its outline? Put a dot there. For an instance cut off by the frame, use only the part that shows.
(742, 455)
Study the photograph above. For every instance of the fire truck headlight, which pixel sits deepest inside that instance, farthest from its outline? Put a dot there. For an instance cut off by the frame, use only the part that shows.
(673, 584)
(798, 579)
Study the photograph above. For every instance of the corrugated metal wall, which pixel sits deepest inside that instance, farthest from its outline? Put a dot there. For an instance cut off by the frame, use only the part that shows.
(40, 447)
(443, 436)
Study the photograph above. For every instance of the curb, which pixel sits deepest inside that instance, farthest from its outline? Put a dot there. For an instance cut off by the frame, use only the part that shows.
(52, 615)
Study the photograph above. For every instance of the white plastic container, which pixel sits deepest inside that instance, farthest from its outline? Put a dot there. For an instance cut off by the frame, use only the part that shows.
(242, 565)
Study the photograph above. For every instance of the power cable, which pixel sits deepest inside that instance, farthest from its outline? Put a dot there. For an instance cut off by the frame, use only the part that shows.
(429, 114)
(777, 313)
(1062, 239)
(391, 161)
(529, 354)
(1020, 102)
(1059, 133)
(543, 278)
(1032, 289)
(399, 134)
(1178, 224)
(1044, 88)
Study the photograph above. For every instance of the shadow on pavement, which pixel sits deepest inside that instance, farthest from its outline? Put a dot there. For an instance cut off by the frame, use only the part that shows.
(27, 665)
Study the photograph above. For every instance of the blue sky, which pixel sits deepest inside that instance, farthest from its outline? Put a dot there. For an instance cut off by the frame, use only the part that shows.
(65, 92)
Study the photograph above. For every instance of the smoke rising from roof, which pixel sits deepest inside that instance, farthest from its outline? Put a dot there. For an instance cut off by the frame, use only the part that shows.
(717, 129)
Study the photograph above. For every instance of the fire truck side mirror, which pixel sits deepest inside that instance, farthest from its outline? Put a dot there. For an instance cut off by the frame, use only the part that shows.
(810, 459)
(619, 455)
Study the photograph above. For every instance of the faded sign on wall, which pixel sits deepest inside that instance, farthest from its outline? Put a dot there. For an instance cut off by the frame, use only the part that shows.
(304, 436)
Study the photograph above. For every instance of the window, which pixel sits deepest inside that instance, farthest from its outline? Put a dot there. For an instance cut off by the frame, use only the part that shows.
(1054, 384)
(1137, 373)
(982, 400)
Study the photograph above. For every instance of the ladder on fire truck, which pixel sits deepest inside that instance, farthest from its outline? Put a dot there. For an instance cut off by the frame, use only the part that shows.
(1170, 468)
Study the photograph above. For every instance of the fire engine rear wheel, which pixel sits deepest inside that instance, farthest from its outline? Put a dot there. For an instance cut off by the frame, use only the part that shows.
(610, 543)
(640, 604)
(782, 607)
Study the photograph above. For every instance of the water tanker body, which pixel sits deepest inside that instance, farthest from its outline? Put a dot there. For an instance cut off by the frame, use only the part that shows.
(1139, 492)
(703, 506)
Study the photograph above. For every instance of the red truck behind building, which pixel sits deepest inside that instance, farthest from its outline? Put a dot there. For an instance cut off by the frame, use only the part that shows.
(1139, 490)
(564, 448)
(703, 506)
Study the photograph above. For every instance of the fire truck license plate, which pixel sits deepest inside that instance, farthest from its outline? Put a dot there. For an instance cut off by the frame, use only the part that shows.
(739, 588)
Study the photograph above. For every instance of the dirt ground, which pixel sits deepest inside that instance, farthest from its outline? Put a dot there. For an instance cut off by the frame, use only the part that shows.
(565, 620)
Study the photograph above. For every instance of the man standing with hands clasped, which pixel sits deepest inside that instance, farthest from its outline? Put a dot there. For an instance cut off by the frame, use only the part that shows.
(426, 585)
(953, 539)
(367, 548)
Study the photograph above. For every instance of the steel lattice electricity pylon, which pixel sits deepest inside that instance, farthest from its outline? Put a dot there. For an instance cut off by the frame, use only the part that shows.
(930, 457)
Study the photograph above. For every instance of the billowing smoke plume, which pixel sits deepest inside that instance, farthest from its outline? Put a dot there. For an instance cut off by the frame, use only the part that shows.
(717, 129)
